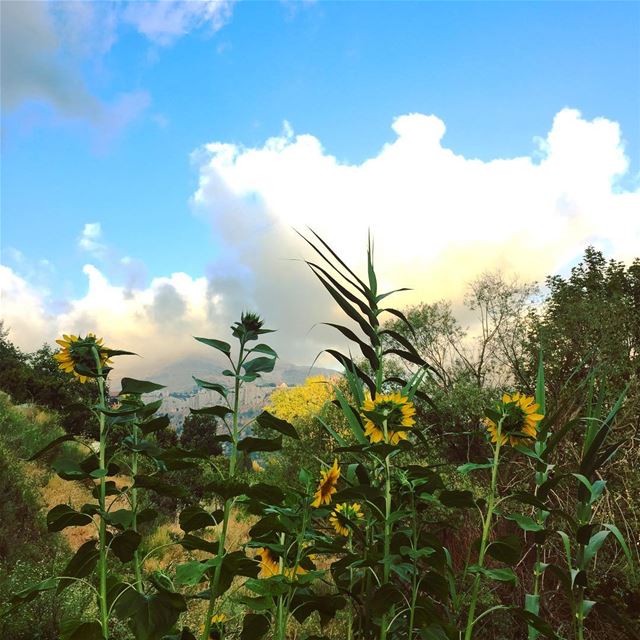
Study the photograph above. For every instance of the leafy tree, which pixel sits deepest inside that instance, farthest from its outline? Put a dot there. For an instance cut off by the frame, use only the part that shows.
(199, 432)
(589, 321)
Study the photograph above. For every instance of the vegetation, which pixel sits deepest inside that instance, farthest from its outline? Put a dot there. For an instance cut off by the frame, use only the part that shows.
(446, 486)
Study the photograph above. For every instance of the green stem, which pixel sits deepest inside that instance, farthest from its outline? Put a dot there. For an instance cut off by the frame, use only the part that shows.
(281, 630)
(486, 532)
(134, 509)
(229, 502)
(349, 609)
(387, 532)
(102, 530)
(414, 576)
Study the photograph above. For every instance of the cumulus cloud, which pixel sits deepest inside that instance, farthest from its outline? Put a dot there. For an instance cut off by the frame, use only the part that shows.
(439, 219)
(157, 322)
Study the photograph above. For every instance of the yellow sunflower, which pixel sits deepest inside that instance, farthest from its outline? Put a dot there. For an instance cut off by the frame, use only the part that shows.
(520, 417)
(396, 409)
(76, 350)
(350, 511)
(269, 563)
(327, 485)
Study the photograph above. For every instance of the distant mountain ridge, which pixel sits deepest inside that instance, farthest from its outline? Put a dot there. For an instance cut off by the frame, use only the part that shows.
(178, 376)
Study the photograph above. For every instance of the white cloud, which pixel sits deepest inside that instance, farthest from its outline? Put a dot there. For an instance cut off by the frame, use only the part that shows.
(90, 238)
(157, 322)
(165, 21)
(438, 219)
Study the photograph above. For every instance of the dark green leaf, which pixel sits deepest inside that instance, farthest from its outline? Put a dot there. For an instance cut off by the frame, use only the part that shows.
(125, 544)
(159, 486)
(254, 626)
(219, 411)
(260, 444)
(52, 445)
(269, 421)
(80, 566)
(225, 347)
(213, 386)
(63, 516)
(130, 385)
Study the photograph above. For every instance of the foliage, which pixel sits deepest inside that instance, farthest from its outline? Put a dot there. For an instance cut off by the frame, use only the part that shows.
(424, 494)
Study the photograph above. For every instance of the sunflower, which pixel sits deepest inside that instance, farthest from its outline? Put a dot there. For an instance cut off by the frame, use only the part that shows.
(79, 351)
(327, 485)
(350, 512)
(396, 409)
(520, 416)
(269, 563)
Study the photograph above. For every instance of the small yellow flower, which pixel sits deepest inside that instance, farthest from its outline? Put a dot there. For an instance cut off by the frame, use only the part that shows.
(327, 485)
(216, 620)
(76, 350)
(350, 511)
(255, 465)
(521, 417)
(398, 412)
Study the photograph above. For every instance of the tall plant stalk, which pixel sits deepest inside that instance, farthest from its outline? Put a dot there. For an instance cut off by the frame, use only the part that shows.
(102, 528)
(229, 501)
(486, 533)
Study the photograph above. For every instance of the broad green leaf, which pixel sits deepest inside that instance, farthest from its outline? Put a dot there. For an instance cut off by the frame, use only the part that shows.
(80, 630)
(52, 445)
(526, 523)
(80, 566)
(473, 466)
(254, 626)
(155, 424)
(264, 348)
(265, 419)
(251, 444)
(259, 365)
(125, 544)
(159, 486)
(63, 516)
(130, 385)
(225, 347)
(596, 541)
(151, 615)
(194, 517)
(219, 411)
(213, 386)
(193, 572)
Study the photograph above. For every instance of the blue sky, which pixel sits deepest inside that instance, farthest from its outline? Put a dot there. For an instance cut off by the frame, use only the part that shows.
(137, 102)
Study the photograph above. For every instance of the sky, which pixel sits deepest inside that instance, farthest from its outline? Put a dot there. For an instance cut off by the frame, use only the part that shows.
(157, 157)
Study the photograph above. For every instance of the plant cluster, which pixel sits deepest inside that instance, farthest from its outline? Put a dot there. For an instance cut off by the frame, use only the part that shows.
(365, 540)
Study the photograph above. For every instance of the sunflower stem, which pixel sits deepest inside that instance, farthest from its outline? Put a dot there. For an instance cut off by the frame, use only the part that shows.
(102, 530)
(486, 532)
(387, 530)
(229, 501)
(134, 510)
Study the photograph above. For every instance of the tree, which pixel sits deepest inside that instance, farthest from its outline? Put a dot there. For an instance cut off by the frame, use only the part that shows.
(589, 321)
(199, 432)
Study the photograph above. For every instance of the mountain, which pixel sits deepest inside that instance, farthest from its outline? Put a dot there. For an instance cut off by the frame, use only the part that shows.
(177, 377)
